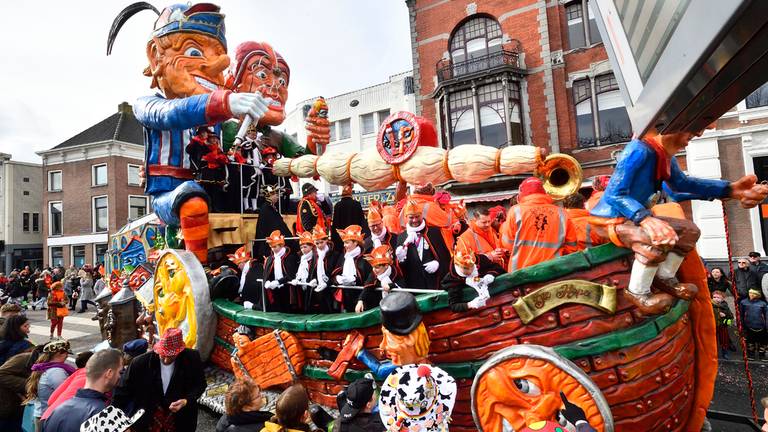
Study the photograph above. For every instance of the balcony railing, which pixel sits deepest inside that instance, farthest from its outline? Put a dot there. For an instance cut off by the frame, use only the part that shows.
(448, 70)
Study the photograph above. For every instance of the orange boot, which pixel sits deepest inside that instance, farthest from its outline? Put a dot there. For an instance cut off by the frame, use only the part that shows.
(194, 227)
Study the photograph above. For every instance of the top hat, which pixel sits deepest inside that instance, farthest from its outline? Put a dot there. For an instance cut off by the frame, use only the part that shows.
(171, 344)
(400, 313)
(381, 255)
(276, 238)
(308, 188)
(463, 255)
(412, 208)
(353, 233)
(271, 190)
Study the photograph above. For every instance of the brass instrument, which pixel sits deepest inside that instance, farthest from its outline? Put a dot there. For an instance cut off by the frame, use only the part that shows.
(561, 174)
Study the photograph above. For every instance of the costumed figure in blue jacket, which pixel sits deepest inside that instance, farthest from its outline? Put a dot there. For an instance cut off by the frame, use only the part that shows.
(187, 56)
(647, 166)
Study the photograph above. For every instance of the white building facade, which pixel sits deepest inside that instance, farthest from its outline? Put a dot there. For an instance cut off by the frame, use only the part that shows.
(21, 219)
(355, 117)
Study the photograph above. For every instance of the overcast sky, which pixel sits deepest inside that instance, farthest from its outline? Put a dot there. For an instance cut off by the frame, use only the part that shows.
(59, 81)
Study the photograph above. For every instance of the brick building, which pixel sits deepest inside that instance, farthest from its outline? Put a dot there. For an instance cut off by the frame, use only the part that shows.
(536, 72)
(21, 241)
(91, 188)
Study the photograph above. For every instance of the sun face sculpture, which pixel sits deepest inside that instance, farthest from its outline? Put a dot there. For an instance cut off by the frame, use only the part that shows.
(521, 385)
(174, 300)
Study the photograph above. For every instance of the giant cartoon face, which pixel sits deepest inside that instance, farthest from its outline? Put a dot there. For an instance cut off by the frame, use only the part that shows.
(521, 385)
(185, 64)
(261, 69)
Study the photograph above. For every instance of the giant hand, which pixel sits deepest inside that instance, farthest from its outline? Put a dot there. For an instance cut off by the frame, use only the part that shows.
(660, 232)
(748, 192)
(252, 104)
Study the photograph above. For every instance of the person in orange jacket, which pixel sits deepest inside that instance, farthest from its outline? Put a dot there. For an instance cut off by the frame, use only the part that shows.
(482, 239)
(586, 235)
(536, 229)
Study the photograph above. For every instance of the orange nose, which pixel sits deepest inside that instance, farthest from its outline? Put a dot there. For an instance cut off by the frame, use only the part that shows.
(215, 66)
(546, 408)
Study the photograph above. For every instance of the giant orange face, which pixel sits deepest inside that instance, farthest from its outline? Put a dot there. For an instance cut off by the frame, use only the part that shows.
(519, 391)
(266, 72)
(186, 64)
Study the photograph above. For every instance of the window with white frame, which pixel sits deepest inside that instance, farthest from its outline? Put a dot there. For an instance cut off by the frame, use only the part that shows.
(57, 256)
(99, 253)
(367, 125)
(133, 175)
(55, 218)
(100, 214)
(137, 206)
(612, 123)
(345, 130)
(332, 127)
(382, 115)
(473, 43)
(54, 181)
(78, 255)
(99, 175)
(581, 33)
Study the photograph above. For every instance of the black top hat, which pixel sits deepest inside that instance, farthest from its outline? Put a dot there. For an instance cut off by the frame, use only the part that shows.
(308, 188)
(358, 394)
(400, 313)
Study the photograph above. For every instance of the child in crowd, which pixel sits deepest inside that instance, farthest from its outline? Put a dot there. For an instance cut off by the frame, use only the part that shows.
(723, 320)
(754, 315)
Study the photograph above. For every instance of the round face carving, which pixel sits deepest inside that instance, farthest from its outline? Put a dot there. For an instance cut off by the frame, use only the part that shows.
(267, 73)
(519, 390)
(186, 64)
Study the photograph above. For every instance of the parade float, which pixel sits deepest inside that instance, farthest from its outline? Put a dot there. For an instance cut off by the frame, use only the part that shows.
(559, 326)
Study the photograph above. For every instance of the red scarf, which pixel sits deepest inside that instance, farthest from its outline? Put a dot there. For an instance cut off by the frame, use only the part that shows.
(318, 211)
(663, 161)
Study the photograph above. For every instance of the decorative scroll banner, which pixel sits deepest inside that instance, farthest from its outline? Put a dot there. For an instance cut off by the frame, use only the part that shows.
(546, 298)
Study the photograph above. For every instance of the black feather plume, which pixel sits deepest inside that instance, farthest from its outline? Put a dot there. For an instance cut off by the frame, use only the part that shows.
(122, 17)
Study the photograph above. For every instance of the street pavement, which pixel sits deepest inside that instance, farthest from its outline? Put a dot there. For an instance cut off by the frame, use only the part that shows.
(730, 388)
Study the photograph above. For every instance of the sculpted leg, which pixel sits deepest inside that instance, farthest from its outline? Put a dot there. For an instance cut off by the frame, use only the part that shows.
(194, 227)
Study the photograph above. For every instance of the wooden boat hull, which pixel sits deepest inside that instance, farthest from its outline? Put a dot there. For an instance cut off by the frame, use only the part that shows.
(645, 367)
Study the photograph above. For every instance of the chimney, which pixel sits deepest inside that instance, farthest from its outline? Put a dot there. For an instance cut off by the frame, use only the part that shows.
(125, 108)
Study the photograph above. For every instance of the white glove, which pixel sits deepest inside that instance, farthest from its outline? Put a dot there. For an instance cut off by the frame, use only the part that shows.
(252, 104)
(483, 293)
(313, 283)
(412, 237)
(431, 266)
(402, 253)
(320, 287)
(293, 282)
(488, 279)
(476, 303)
(345, 280)
(247, 305)
(271, 284)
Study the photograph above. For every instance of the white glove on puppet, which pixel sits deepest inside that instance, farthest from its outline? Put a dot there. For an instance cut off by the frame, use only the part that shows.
(488, 279)
(247, 305)
(402, 253)
(431, 266)
(320, 287)
(251, 104)
(476, 303)
(313, 283)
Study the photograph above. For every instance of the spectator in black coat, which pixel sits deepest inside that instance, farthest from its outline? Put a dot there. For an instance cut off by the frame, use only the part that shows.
(355, 406)
(166, 383)
(243, 405)
(756, 265)
(746, 279)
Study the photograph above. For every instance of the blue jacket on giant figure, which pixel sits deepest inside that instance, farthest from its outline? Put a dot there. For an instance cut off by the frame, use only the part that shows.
(625, 213)
(187, 56)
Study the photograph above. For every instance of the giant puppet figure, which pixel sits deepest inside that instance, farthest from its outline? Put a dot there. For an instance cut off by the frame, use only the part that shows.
(660, 239)
(187, 56)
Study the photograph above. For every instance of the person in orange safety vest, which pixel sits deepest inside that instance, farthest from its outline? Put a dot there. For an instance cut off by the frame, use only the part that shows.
(536, 229)
(482, 239)
(586, 235)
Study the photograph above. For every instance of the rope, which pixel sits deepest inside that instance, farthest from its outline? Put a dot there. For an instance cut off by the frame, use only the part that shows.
(742, 339)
